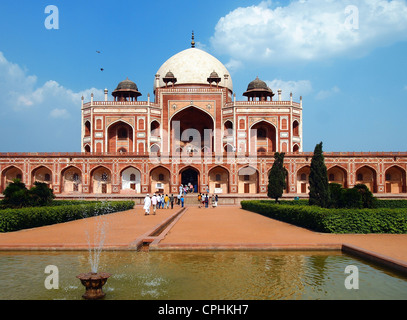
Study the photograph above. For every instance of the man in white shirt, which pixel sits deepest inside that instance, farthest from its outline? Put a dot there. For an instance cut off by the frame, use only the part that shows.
(147, 204)
(154, 202)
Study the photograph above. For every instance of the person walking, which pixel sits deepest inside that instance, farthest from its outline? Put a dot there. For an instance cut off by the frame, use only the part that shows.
(203, 200)
(216, 200)
(154, 201)
(167, 201)
(182, 201)
(178, 198)
(159, 201)
(172, 200)
(147, 205)
(199, 200)
(162, 201)
(206, 200)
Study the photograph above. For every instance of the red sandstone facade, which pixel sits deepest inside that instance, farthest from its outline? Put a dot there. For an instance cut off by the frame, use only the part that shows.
(194, 132)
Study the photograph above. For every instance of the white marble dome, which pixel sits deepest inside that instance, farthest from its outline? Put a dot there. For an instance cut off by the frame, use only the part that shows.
(193, 66)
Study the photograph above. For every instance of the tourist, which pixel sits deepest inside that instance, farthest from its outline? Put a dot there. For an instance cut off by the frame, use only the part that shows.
(213, 201)
(180, 189)
(159, 201)
(154, 201)
(172, 200)
(203, 200)
(199, 200)
(191, 188)
(216, 199)
(167, 201)
(147, 204)
(206, 200)
(182, 201)
(162, 201)
(178, 198)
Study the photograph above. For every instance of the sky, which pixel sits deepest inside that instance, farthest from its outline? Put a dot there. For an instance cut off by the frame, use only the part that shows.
(347, 59)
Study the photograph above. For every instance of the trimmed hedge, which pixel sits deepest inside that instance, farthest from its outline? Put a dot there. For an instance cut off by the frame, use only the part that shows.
(380, 220)
(32, 217)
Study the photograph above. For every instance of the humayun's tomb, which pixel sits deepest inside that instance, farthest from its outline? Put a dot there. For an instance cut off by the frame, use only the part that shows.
(195, 131)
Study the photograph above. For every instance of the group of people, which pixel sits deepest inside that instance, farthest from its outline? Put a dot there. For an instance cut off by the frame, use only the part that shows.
(188, 188)
(161, 201)
(204, 199)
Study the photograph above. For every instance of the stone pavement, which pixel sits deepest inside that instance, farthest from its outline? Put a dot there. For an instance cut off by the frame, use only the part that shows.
(221, 228)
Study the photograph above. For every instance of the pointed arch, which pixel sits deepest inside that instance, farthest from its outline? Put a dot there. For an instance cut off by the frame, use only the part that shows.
(248, 180)
(395, 180)
(160, 179)
(338, 174)
(71, 179)
(130, 179)
(367, 175)
(218, 178)
(101, 180)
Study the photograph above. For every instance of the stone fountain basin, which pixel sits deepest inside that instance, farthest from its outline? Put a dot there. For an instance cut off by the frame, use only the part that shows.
(93, 283)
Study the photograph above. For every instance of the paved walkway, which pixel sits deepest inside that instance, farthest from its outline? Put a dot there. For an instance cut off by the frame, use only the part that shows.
(225, 227)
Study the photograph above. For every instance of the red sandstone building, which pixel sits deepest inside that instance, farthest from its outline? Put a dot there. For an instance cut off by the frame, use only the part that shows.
(194, 131)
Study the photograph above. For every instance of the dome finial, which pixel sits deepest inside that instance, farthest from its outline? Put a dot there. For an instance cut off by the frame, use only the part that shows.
(193, 40)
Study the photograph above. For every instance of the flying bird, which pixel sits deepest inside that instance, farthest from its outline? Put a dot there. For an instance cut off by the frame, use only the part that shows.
(101, 69)
(97, 51)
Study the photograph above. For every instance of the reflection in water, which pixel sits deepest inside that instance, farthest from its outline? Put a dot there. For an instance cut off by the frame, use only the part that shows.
(206, 275)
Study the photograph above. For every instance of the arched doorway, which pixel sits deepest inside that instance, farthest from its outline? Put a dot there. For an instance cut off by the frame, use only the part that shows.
(101, 180)
(303, 179)
(248, 180)
(338, 175)
(395, 180)
(71, 180)
(263, 135)
(367, 176)
(120, 137)
(192, 129)
(131, 180)
(218, 180)
(8, 176)
(190, 176)
(42, 174)
(160, 180)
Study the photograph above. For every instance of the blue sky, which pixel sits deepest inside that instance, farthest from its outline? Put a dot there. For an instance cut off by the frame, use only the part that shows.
(346, 58)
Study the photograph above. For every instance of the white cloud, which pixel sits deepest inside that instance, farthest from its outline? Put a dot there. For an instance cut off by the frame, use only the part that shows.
(59, 113)
(19, 91)
(324, 94)
(297, 88)
(309, 30)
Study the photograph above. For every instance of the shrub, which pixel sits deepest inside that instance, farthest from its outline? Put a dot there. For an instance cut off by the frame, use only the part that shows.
(16, 195)
(31, 217)
(381, 220)
(41, 194)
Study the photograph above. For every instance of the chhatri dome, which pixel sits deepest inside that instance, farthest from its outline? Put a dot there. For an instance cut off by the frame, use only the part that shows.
(193, 66)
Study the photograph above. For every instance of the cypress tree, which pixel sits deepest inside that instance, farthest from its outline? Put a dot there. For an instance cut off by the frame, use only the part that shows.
(277, 177)
(318, 180)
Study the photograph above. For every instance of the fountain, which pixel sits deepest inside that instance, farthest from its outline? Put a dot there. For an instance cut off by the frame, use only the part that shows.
(94, 280)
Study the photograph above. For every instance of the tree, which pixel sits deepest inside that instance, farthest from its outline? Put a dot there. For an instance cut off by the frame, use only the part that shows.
(277, 177)
(41, 194)
(368, 200)
(318, 180)
(16, 194)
